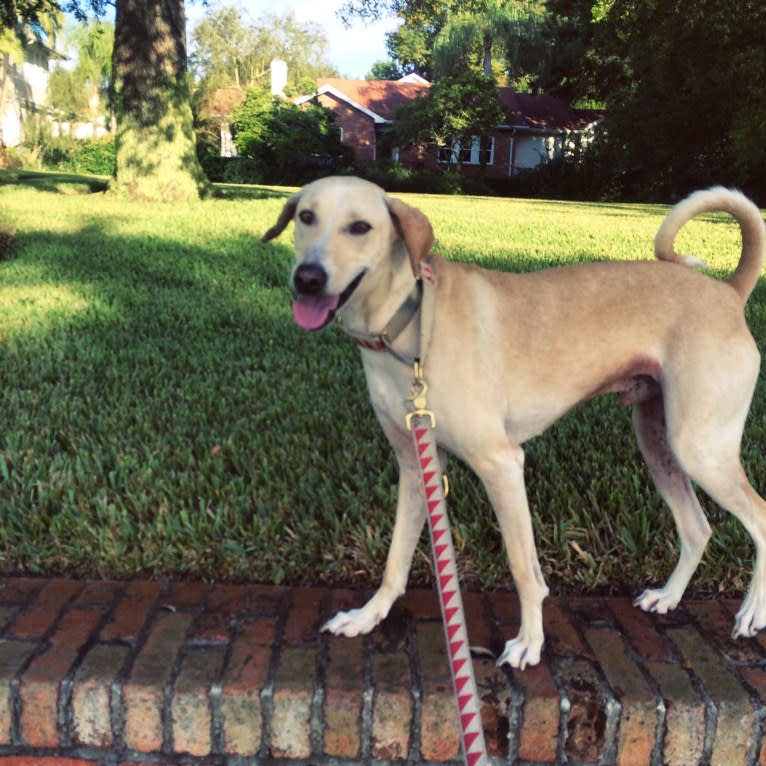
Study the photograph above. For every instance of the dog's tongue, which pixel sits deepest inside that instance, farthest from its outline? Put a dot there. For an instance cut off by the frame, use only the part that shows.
(312, 313)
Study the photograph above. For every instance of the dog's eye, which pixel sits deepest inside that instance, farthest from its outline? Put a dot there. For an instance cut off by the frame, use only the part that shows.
(359, 227)
(307, 217)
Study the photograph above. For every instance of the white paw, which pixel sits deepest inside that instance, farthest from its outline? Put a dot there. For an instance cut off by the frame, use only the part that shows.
(519, 653)
(750, 619)
(355, 622)
(659, 601)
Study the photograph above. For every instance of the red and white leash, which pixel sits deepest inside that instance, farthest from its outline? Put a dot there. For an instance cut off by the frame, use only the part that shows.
(421, 422)
(453, 616)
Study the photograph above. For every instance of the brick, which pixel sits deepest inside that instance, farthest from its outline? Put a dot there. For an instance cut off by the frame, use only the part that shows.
(144, 692)
(638, 719)
(684, 715)
(422, 603)
(587, 718)
(6, 613)
(294, 680)
(640, 629)
(303, 620)
(16, 590)
(131, 612)
(494, 703)
(245, 677)
(716, 623)
(736, 717)
(392, 707)
(560, 635)
(190, 710)
(480, 627)
(215, 621)
(183, 596)
(541, 714)
(39, 688)
(41, 760)
(100, 595)
(92, 694)
(41, 613)
(264, 601)
(344, 698)
(440, 730)
(13, 655)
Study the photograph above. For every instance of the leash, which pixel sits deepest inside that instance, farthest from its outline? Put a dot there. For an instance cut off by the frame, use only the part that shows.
(421, 422)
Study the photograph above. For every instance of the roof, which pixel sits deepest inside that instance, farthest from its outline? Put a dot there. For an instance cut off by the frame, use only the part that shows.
(543, 112)
(379, 99)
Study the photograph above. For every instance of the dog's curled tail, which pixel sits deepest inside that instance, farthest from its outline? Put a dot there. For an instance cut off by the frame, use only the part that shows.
(751, 226)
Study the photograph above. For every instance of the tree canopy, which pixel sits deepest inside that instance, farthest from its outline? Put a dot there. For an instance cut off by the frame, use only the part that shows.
(228, 50)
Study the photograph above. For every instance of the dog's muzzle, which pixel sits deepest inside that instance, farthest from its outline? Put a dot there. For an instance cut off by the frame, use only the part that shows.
(313, 309)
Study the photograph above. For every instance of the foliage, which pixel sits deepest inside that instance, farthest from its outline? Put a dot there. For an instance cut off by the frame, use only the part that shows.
(682, 85)
(280, 136)
(454, 110)
(500, 39)
(385, 70)
(82, 93)
(92, 156)
(228, 51)
(163, 416)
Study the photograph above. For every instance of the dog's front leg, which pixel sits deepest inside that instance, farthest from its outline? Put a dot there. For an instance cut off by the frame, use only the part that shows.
(410, 517)
(502, 472)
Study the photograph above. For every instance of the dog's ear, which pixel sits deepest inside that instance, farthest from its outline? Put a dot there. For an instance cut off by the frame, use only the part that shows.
(288, 211)
(414, 228)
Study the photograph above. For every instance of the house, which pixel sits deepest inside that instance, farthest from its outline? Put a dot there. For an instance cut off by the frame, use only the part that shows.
(538, 128)
(24, 86)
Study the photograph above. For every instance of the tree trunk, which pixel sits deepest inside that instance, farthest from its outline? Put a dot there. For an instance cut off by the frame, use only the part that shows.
(155, 143)
(486, 59)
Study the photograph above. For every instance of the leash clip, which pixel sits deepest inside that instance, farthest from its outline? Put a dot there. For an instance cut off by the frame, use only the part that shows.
(418, 397)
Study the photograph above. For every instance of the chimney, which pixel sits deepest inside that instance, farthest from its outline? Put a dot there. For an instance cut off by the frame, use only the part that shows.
(278, 77)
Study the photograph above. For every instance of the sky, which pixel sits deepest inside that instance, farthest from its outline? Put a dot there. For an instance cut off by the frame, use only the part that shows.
(352, 51)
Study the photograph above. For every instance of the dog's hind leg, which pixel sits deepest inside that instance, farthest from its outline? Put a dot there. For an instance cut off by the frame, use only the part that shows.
(502, 472)
(675, 488)
(708, 448)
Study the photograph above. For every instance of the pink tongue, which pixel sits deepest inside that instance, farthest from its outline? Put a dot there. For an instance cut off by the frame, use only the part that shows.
(313, 313)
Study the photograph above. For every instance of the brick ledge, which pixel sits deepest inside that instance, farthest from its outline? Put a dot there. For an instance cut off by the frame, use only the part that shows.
(146, 672)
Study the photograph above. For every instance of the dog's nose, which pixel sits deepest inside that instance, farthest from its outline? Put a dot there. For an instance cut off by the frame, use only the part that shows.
(309, 279)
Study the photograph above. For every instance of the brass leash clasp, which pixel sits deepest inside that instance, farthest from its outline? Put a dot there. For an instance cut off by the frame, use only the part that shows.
(418, 398)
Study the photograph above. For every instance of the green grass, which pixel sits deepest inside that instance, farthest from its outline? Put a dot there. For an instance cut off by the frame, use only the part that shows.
(160, 413)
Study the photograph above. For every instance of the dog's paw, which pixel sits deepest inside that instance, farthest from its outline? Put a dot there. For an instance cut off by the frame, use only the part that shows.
(355, 622)
(659, 601)
(520, 654)
(750, 619)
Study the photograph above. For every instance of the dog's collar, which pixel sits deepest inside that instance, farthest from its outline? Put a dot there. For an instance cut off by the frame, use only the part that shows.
(402, 317)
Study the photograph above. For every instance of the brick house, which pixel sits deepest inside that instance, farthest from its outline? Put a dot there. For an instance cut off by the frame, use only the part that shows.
(538, 127)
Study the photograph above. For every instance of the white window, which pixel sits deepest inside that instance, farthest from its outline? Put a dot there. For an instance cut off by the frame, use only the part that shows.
(469, 154)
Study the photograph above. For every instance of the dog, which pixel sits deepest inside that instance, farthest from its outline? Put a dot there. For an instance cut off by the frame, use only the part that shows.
(509, 354)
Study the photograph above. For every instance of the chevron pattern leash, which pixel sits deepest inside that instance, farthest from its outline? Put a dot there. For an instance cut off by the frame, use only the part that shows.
(450, 598)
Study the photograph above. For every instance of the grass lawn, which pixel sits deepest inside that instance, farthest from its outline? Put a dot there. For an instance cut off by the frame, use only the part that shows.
(160, 413)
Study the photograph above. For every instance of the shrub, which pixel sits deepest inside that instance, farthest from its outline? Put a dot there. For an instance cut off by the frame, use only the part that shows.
(94, 156)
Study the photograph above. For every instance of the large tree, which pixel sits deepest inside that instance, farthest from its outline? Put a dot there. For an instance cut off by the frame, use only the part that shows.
(156, 155)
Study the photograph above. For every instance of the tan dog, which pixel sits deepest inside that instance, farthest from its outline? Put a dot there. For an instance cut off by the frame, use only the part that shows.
(511, 353)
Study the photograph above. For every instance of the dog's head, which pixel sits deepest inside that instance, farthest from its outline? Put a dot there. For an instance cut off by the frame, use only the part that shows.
(347, 231)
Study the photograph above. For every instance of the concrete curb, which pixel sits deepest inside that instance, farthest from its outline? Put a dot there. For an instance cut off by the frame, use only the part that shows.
(113, 673)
